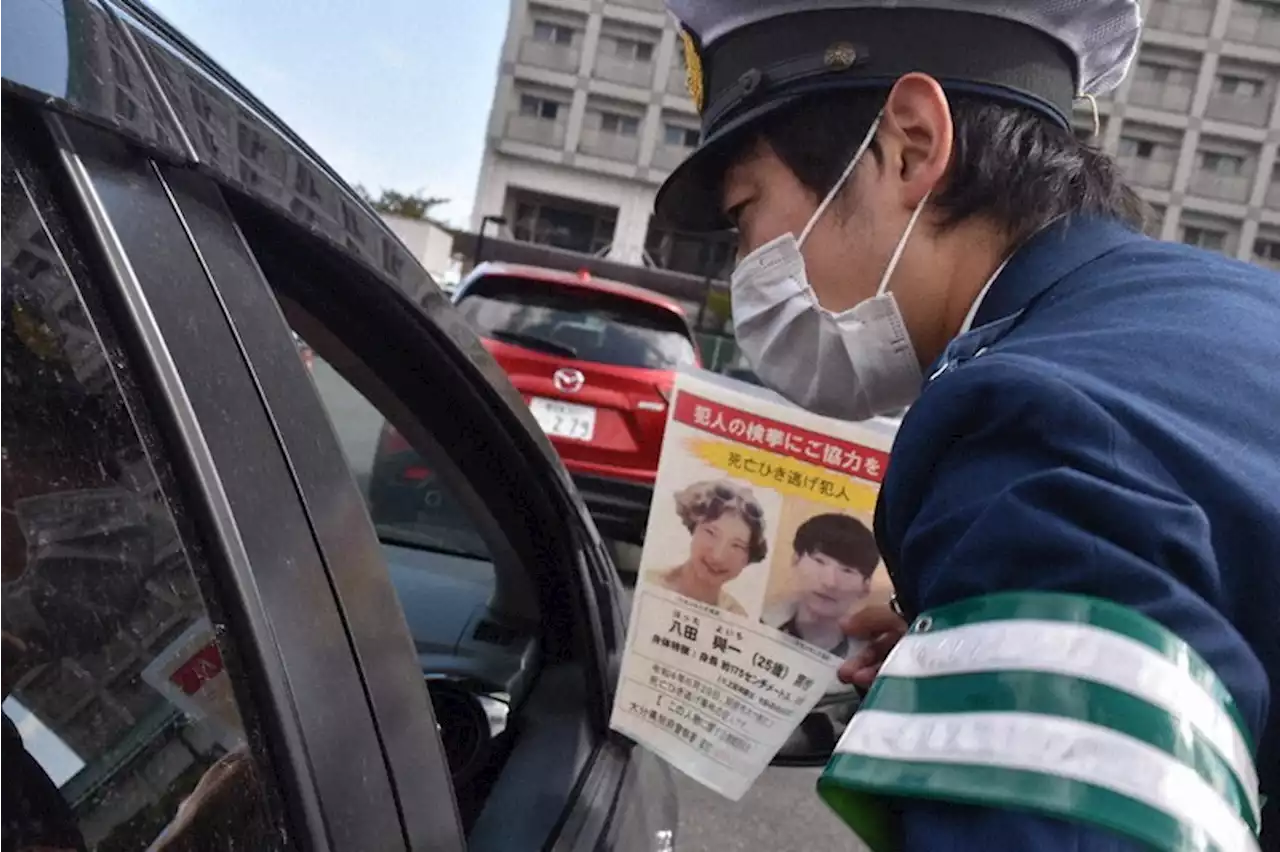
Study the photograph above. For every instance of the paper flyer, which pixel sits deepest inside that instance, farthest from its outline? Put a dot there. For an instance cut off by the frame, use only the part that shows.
(758, 544)
(190, 673)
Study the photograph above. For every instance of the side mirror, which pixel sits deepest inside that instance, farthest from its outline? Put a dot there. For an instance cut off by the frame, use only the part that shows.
(813, 742)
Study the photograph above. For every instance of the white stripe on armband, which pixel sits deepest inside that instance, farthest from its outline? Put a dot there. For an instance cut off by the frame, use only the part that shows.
(1052, 746)
(1082, 651)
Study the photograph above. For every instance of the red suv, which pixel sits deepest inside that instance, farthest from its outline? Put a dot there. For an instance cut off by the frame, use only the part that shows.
(595, 360)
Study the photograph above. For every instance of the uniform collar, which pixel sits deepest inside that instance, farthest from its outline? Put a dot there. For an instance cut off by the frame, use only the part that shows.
(1043, 261)
(982, 294)
(1046, 259)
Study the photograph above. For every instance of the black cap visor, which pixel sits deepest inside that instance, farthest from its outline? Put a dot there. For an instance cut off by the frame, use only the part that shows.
(768, 66)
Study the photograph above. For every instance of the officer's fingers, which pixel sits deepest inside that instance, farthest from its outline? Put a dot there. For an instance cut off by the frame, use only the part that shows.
(860, 676)
(872, 621)
(863, 668)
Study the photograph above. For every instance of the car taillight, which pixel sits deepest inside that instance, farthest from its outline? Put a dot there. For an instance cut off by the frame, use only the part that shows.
(665, 393)
(416, 473)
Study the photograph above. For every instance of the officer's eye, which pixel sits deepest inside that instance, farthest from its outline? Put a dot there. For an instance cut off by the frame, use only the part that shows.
(734, 213)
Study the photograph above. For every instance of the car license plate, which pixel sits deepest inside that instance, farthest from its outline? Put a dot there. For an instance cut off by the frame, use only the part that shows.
(563, 419)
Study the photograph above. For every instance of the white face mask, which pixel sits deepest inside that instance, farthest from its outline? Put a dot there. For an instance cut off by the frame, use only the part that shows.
(852, 365)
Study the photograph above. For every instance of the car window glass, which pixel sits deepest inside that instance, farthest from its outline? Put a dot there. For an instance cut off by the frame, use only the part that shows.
(445, 583)
(409, 502)
(121, 727)
(574, 322)
(492, 618)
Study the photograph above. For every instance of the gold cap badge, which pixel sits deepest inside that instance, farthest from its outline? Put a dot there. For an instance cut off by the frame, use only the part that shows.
(692, 70)
(840, 56)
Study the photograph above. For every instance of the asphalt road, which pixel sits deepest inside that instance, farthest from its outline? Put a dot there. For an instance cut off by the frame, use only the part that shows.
(781, 811)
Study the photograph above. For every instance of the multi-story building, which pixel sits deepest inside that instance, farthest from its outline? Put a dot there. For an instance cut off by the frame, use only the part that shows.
(591, 113)
(1196, 124)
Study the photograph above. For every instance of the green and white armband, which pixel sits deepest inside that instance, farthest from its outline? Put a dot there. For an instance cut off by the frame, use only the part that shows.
(1066, 706)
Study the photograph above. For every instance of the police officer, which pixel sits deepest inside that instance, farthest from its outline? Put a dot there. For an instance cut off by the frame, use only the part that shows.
(1082, 513)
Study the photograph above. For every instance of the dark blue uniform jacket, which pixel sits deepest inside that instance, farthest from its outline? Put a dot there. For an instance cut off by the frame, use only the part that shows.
(1110, 427)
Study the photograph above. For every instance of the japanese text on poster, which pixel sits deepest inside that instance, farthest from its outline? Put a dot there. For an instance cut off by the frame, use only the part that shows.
(758, 546)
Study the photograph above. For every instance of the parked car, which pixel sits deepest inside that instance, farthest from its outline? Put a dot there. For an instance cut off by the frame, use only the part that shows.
(595, 361)
(210, 642)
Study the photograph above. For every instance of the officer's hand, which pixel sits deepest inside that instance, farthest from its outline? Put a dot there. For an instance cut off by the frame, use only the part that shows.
(881, 627)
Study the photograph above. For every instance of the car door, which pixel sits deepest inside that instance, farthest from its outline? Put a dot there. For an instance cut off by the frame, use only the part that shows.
(177, 672)
(509, 595)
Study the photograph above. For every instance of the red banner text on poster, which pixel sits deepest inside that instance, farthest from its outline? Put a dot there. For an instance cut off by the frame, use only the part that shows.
(756, 431)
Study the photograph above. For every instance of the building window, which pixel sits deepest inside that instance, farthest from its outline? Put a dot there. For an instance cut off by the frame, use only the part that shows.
(550, 33)
(632, 49)
(1137, 149)
(535, 107)
(1239, 88)
(1266, 251)
(1266, 11)
(619, 125)
(695, 254)
(1225, 165)
(563, 223)
(680, 137)
(1164, 75)
(1205, 238)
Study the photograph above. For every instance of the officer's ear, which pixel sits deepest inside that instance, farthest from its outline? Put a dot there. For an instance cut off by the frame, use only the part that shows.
(916, 135)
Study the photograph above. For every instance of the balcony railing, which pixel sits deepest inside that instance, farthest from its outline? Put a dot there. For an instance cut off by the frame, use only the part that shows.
(629, 72)
(609, 145)
(1163, 96)
(1223, 187)
(557, 57)
(1153, 174)
(1180, 17)
(539, 131)
(1255, 111)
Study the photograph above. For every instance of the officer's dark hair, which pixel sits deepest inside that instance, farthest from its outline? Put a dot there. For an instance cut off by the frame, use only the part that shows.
(840, 537)
(1009, 164)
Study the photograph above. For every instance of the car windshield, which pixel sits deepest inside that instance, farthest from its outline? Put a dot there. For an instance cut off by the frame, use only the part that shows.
(576, 322)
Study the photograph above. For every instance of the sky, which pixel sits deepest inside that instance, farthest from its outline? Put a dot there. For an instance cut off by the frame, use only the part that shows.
(54, 756)
(393, 94)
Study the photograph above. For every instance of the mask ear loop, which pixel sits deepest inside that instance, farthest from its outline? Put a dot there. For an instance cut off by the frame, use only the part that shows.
(1093, 109)
(844, 176)
(902, 245)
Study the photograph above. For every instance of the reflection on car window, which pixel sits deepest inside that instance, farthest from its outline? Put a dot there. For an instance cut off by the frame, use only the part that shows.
(409, 502)
(117, 703)
(577, 323)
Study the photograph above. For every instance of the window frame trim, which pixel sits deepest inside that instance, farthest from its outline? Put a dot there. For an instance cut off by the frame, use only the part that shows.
(283, 675)
(411, 749)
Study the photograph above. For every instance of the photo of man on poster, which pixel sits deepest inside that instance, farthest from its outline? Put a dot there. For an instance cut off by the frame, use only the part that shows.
(833, 559)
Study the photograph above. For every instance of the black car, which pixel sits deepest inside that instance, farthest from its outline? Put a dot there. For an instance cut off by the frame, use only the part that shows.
(209, 643)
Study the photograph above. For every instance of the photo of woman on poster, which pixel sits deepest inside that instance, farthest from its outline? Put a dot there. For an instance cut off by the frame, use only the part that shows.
(727, 528)
(832, 562)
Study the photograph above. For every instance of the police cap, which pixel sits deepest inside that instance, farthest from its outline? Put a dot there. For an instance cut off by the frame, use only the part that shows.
(748, 58)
